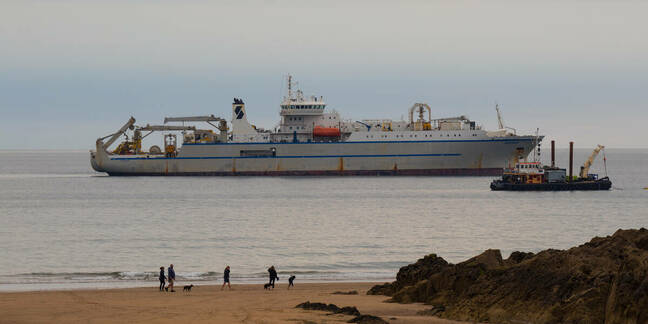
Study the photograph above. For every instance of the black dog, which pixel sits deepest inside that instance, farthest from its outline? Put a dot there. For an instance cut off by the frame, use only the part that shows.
(187, 288)
(267, 286)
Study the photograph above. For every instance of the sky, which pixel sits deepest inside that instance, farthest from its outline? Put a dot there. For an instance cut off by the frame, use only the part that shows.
(73, 71)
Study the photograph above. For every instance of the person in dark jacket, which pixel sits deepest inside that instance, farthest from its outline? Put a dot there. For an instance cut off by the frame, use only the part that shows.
(226, 279)
(171, 278)
(290, 281)
(273, 275)
(162, 279)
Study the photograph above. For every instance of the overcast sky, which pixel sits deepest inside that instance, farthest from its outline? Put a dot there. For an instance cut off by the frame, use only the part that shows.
(72, 71)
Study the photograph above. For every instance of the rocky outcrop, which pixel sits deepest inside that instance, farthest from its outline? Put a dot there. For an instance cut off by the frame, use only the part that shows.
(411, 274)
(346, 310)
(367, 319)
(602, 281)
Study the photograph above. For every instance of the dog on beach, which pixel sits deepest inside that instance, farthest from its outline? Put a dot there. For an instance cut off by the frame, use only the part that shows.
(267, 286)
(187, 288)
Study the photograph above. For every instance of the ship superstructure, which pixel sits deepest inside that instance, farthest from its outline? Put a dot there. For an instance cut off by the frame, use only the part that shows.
(313, 140)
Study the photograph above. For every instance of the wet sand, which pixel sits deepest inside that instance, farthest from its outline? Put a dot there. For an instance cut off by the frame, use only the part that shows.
(204, 304)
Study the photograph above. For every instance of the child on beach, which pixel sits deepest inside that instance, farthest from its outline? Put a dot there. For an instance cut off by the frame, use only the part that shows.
(162, 278)
(226, 278)
(290, 281)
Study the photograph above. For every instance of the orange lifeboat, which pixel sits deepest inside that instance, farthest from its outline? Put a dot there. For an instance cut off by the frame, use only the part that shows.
(326, 131)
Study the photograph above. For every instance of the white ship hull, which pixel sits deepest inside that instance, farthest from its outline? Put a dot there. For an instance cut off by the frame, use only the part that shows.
(479, 156)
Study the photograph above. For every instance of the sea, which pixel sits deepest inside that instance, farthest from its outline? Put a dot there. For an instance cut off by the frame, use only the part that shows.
(64, 226)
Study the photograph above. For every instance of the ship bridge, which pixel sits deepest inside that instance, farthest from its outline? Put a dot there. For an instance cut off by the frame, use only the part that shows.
(304, 108)
(301, 115)
(294, 104)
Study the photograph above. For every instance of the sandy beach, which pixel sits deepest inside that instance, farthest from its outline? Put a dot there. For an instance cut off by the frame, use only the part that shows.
(204, 304)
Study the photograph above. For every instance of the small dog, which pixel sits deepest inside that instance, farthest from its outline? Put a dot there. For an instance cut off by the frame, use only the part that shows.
(267, 286)
(187, 288)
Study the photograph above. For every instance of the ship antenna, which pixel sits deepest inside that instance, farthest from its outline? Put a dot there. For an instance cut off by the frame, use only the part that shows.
(289, 86)
(535, 146)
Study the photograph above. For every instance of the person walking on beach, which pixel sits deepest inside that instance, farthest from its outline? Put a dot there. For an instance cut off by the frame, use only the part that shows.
(226, 279)
(162, 279)
(171, 278)
(290, 281)
(273, 275)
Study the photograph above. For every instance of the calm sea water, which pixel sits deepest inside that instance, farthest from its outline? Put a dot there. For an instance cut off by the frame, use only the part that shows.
(64, 226)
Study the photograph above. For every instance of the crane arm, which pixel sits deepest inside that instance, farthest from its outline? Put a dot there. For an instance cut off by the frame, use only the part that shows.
(366, 125)
(500, 122)
(116, 135)
(590, 160)
(158, 128)
(192, 119)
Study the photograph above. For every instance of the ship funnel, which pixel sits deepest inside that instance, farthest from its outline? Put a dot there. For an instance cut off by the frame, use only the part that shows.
(553, 154)
(571, 161)
(240, 124)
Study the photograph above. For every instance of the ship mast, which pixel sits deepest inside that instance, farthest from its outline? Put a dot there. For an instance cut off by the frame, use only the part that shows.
(289, 87)
(536, 147)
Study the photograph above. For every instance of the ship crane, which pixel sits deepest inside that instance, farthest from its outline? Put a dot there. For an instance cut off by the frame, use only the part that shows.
(421, 123)
(500, 121)
(364, 124)
(113, 137)
(585, 168)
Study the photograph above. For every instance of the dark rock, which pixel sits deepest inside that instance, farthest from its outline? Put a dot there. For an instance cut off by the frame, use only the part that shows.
(319, 306)
(384, 289)
(411, 274)
(348, 310)
(367, 319)
(489, 259)
(352, 292)
(602, 281)
(434, 311)
(332, 308)
(517, 257)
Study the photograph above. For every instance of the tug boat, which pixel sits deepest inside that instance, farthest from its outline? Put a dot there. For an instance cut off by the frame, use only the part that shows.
(532, 176)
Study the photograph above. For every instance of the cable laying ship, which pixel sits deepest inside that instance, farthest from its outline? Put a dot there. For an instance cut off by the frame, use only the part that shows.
(310, 140)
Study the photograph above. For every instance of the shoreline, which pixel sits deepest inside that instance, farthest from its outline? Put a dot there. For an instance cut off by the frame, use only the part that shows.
(111, 285)
(248, 303)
